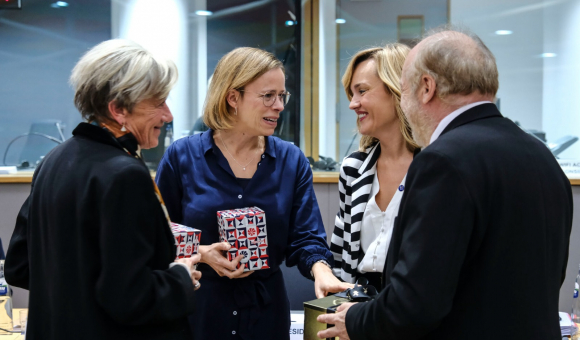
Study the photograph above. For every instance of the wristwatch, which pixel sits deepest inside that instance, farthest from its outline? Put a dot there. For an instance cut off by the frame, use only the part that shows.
(319, 261)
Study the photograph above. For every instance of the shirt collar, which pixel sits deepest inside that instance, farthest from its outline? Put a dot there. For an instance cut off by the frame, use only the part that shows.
(208, 143)
(450, 117)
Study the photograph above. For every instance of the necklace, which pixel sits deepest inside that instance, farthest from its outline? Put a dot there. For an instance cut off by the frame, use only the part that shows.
(235, 160)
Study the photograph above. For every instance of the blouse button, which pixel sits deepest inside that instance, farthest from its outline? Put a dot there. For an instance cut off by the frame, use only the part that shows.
(378, 242)
(263, 156)
(235, 313)
(234, 332)
(382, 229)
(259, 163)
(240, 196)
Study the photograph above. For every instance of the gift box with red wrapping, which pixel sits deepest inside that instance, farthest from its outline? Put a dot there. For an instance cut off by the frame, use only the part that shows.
(186, 240)
(245, 230)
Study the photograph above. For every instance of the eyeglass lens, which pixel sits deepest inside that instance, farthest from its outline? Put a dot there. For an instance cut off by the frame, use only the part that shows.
(270, 98)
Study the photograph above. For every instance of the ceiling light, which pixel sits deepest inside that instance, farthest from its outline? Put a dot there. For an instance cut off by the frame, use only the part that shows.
(59, 4)
(548, 55)
(340, 21)
(203, 13)
(503, 32)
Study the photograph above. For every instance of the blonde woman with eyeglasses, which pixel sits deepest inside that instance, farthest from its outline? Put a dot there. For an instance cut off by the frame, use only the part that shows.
(238, 164)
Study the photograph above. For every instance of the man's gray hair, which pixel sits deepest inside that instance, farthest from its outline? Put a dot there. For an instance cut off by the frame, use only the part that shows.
(458, 65)
(119, 70)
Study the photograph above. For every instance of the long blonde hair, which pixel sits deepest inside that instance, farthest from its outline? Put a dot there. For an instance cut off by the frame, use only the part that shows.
(389, 60)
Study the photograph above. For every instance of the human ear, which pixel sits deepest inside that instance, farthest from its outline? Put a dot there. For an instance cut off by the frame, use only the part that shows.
(232, 98)
(118, 113)
(428, 87)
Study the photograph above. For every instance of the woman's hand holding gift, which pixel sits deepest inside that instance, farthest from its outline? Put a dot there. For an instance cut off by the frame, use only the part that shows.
(213, 255)
(325, 282)
(191, 263)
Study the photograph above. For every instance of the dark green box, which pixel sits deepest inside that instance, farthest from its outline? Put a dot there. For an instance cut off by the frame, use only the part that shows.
(314, 308)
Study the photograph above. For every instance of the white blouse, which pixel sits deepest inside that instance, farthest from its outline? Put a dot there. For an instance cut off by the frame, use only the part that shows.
(377, 229)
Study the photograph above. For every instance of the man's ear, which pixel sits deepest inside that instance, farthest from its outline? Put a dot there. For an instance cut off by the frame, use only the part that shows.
(117, 113)
(233, 97)
(427, 89)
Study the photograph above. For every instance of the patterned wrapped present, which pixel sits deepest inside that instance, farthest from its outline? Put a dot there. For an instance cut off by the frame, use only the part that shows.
(245, 230)
(186, 240)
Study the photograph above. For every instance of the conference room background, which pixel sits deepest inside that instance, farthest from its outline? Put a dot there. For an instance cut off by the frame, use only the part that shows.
(534, 42)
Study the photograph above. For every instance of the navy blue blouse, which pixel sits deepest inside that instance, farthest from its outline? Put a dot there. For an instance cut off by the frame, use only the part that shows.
(196, 181)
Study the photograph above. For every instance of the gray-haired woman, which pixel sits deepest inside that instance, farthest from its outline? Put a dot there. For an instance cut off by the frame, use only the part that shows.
(92, 242)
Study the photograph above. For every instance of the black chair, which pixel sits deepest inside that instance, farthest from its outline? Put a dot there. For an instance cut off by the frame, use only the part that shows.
(299, 288)
(198, 127)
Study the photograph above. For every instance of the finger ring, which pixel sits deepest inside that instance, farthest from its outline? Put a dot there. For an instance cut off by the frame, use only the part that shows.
(197, 285)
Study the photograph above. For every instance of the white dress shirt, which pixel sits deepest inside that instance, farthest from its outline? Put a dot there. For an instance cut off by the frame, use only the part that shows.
(377, 229)
(445, 121)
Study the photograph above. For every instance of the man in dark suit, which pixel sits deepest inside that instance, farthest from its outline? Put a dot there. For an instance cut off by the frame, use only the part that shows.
(480, 247)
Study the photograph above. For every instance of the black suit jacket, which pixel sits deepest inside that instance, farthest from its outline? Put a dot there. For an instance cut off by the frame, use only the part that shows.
(93, 246)
(480, 247)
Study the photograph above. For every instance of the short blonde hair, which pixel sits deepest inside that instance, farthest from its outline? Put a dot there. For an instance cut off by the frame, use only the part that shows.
(119, 70)
(235, 70)
(460, 63)
(389, 60)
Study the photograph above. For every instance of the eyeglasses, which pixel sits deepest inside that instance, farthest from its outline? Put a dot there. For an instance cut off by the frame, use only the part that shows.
(270, 97)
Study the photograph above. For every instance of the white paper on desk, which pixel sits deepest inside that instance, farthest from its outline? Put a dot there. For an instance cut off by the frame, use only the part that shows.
(7, 170)
(567, 327)
(297, 325)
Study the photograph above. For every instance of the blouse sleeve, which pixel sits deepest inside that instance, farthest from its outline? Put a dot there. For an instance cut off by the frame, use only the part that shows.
(168, 180)
(337, 240)
(307, 240)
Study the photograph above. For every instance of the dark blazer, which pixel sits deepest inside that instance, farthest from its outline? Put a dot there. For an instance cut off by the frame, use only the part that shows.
(480, 247)
(93, 246)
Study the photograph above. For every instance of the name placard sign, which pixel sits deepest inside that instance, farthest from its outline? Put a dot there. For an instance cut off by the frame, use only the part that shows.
(571, 167)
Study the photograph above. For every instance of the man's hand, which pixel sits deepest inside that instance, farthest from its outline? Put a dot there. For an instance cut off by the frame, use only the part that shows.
(325, 282)
(338, 320)
(213, 255)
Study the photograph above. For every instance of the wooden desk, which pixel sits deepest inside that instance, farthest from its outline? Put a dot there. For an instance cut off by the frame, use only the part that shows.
(318, 177)
(15, 322)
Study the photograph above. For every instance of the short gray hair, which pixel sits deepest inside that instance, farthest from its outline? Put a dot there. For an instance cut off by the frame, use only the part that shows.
(457, 65)
(119, 70)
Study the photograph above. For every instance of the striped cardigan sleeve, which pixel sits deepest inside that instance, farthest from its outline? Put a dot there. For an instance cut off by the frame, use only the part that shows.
(354, 187)
(337, 239)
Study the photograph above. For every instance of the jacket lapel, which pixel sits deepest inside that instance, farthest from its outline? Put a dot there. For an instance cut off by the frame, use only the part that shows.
(372, 156)
(362, 186)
